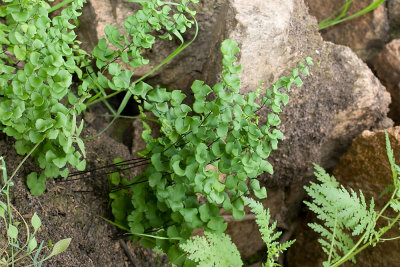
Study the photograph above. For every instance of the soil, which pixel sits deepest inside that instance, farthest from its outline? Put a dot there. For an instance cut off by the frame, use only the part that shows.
(75, 209)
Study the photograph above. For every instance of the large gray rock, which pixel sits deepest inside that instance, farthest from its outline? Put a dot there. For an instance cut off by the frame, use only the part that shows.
(365, 35)
(340, 99)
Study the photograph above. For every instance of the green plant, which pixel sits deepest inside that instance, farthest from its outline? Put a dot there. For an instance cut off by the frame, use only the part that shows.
(218, 250)
(212, 250)
(339, 15)
(41, 57)
(37, 107)
(203, 159)
(345, 215)
(13, 250)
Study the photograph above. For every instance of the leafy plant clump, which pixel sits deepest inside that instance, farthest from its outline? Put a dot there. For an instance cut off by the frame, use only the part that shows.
(40, 59)
(14, 249)
(345, 215)
(203, 159)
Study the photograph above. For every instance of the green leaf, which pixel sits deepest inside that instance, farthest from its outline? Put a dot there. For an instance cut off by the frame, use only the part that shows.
(12, 231)
(229, 47)
(60, 247)
(217, 224)
(114, 69)
(36, 222)
(32, 244)
(35, 184)
(20, 52)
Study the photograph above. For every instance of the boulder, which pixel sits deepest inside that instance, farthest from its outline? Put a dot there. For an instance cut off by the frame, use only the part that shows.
(365, 35)
(340, 99)
(387, 67)
(365, 166)
(394, 17)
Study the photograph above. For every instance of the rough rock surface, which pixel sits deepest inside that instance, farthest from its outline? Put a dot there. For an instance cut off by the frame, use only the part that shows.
(187, 66)
(340, 99)
(364, 166)
(365, 35)
(394, 16)
(387, 67)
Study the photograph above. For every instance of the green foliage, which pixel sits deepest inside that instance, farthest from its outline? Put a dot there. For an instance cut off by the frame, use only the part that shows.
(13, 248)
(216, 136)
(268, 232)
(340, 210)
(212, 250)
(39, 58)
(339, 15)
(345, 215)
(217, 249)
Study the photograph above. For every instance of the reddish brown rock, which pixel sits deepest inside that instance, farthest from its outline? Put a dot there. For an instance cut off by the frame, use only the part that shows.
(365, 35)
(387, 66)
(365, 166)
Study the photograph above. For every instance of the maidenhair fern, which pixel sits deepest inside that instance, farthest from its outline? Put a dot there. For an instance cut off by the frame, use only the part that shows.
(268, 232)
(212, 250)
(345, 215)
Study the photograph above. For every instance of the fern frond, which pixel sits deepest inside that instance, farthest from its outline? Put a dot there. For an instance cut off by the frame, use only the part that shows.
(343, 213)
(212, 250)
(268, 232)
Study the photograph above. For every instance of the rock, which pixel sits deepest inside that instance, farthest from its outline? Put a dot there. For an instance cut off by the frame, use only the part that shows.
(387, 66)
(394, 16)
(365, 35)
(184, 68)
(340, 99)
(365, 166)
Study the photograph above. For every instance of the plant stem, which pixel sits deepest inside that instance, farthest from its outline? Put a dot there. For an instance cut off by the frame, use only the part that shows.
(60, 5)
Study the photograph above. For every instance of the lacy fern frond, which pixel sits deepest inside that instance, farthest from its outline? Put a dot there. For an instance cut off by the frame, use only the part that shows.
(212, 250)
(268, 232)
(344, 214)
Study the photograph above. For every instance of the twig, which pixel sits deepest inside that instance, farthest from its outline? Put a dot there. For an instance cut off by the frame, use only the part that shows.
(128, 253)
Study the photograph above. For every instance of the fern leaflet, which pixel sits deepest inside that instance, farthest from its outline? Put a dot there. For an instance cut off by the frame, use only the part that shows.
(268, 233)
(344, 214)
(212, 250)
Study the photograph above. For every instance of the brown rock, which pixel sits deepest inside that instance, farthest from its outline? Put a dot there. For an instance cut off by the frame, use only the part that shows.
(365, 35)
(387, 66)
(394, 16)
(365, 166)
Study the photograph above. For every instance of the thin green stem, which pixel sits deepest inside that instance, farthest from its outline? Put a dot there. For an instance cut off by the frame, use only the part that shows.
(327, 23)
(130, 117)
(60, 5)
(333, 240)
